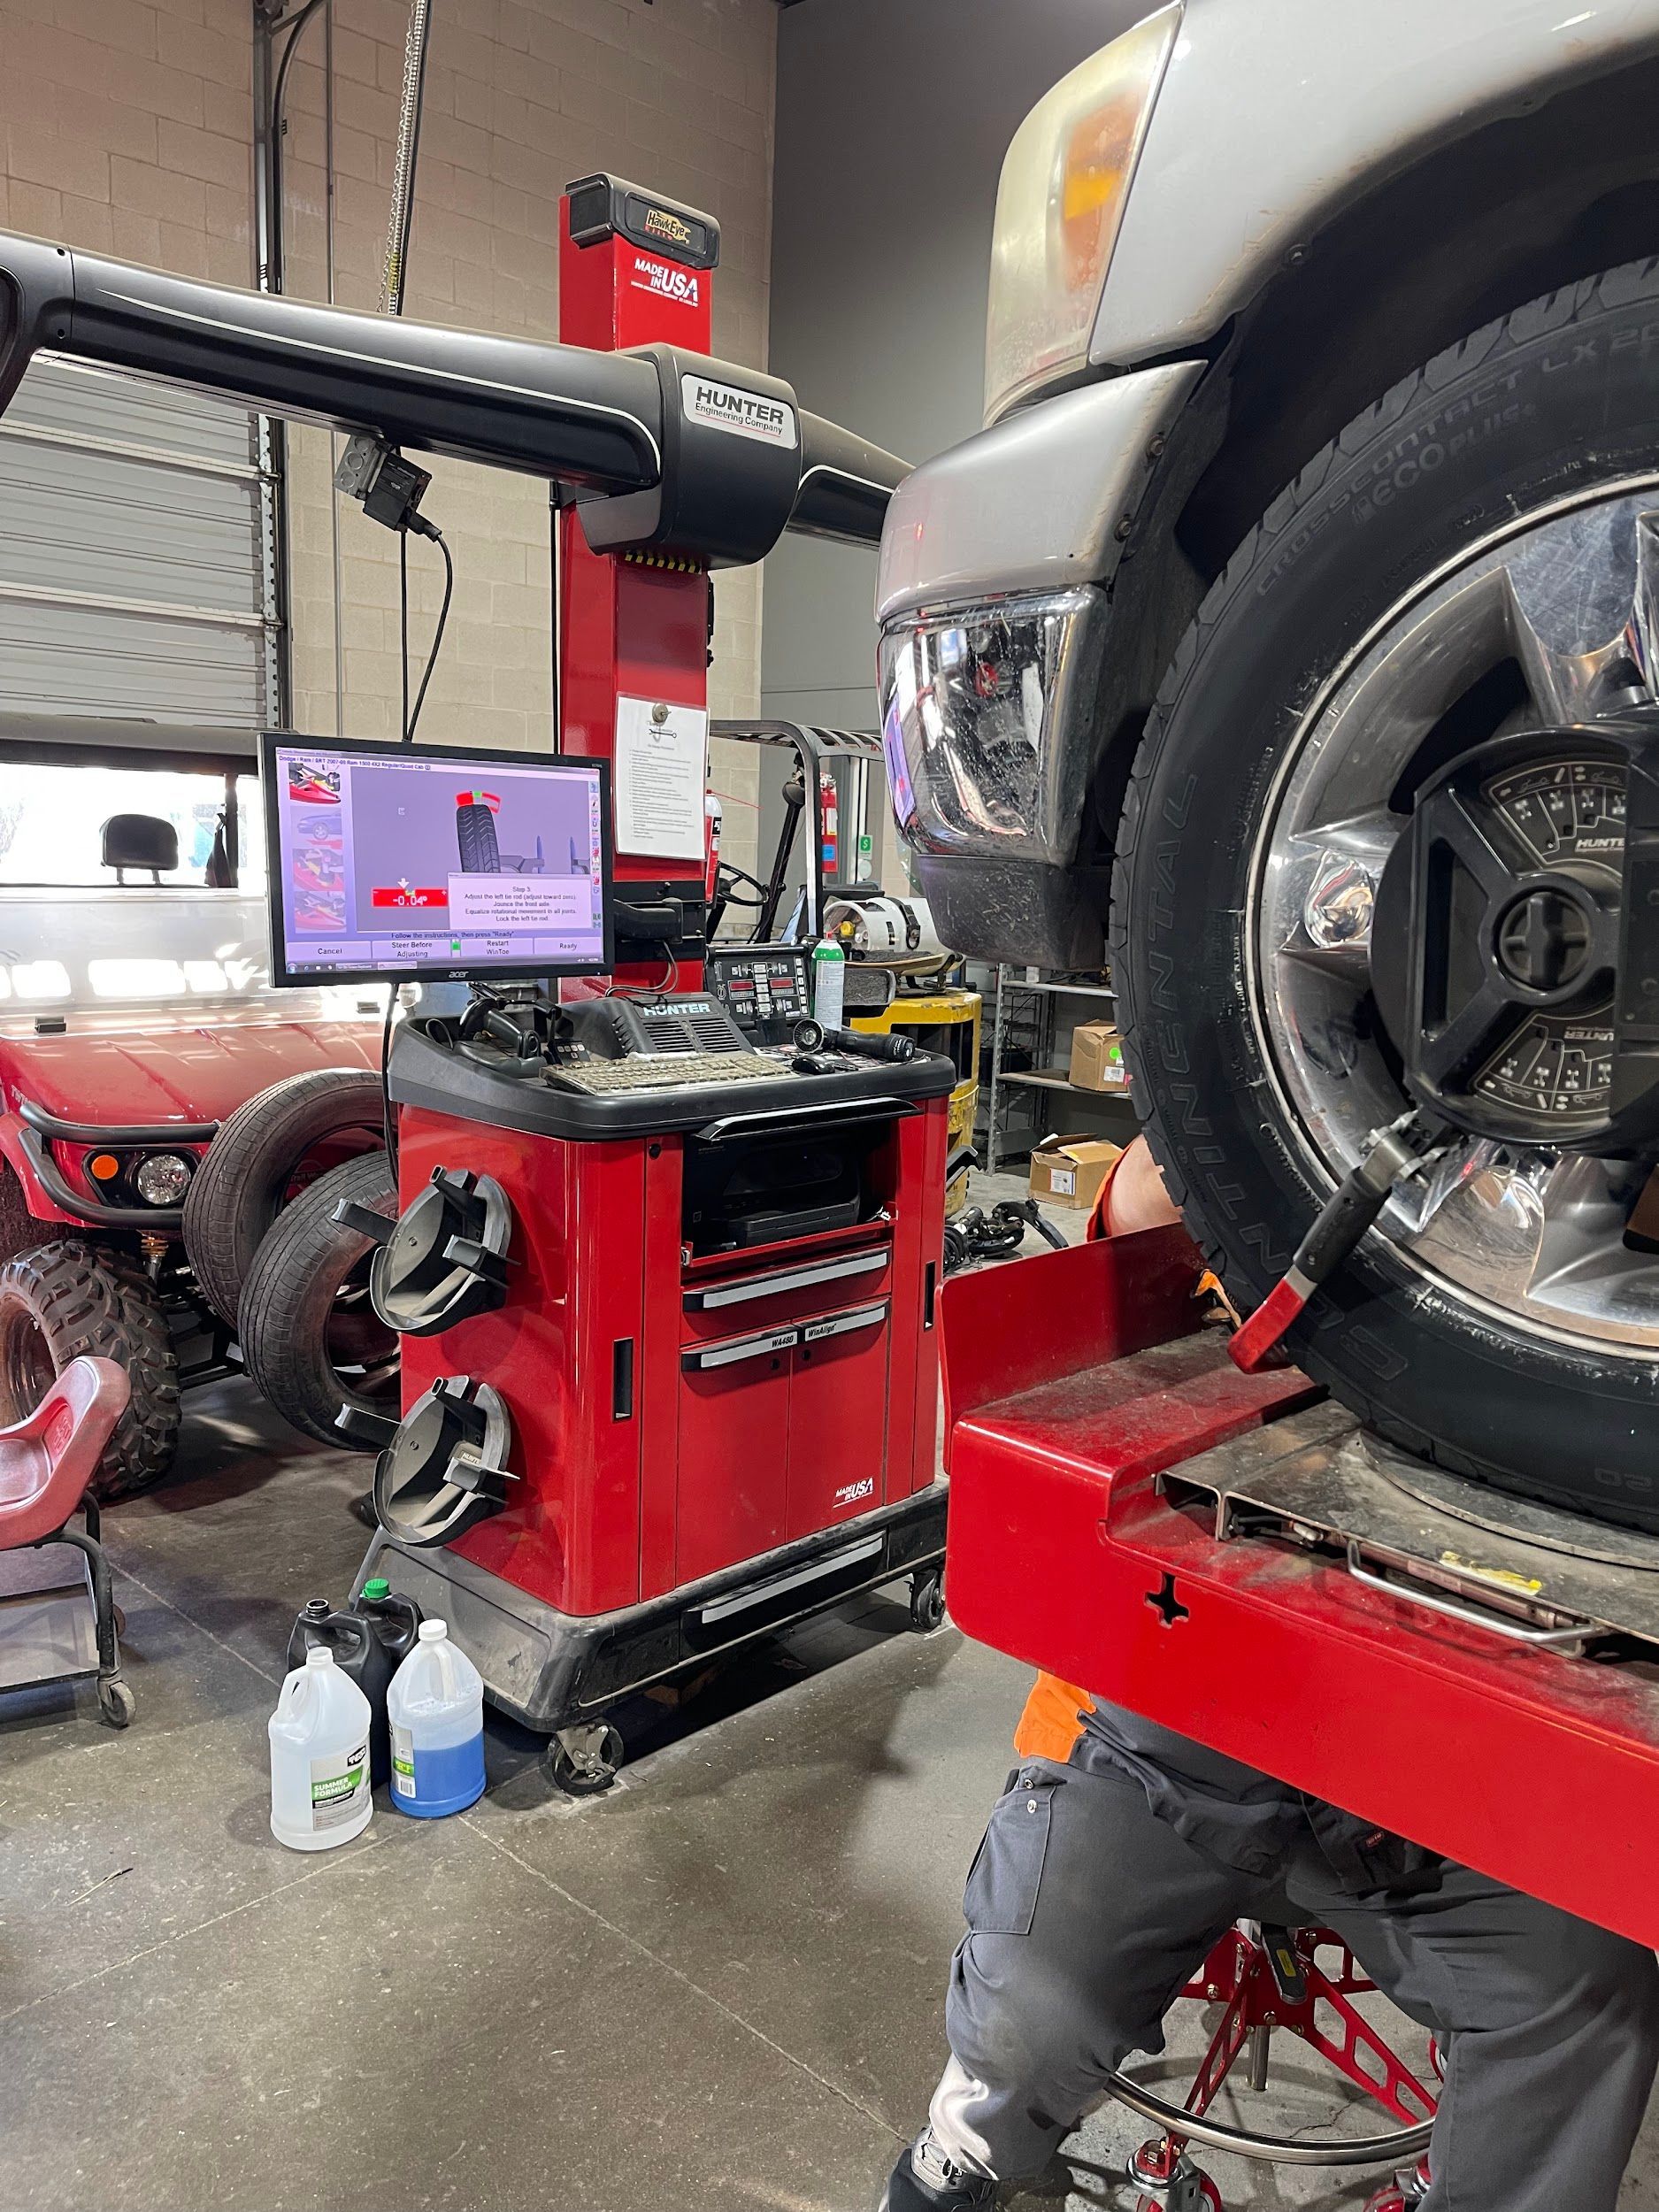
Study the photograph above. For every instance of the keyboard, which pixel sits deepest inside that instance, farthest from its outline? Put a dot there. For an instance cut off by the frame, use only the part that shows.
(663, 1071)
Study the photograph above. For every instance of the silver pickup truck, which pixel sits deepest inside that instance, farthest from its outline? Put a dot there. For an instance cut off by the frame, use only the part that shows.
(1289, 637)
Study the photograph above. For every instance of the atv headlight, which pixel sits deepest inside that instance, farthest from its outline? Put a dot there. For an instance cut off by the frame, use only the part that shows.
(1061, 199)
(162, 1179)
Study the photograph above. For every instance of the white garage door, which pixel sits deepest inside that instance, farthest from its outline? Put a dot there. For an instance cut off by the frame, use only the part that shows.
(135, 569)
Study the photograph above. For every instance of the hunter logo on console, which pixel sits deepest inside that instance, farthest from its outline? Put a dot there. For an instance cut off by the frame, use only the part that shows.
(745, 414)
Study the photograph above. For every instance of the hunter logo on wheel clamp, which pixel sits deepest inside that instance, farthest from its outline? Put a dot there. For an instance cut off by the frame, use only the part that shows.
(746, 414)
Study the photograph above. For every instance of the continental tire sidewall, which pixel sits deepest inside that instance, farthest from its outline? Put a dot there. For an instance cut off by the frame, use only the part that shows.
(1559, 399)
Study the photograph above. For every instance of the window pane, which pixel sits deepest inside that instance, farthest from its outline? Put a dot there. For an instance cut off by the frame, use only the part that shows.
(51, 822)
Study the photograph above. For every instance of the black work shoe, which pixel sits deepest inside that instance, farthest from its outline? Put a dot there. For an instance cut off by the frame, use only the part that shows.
(924, 2180)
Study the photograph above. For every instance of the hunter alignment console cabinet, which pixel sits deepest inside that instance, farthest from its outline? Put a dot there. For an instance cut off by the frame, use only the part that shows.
(600, 1474)
(666, 1282)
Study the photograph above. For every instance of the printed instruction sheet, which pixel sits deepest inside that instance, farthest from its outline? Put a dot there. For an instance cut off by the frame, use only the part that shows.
(661, 771)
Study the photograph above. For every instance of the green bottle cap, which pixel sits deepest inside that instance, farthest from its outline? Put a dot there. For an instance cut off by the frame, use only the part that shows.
(380, 1587)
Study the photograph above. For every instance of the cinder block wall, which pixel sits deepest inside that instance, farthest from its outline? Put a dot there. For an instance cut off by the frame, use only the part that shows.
(125, 126)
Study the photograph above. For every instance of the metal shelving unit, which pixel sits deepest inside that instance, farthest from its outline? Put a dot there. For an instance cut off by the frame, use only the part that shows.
(1025, 1004)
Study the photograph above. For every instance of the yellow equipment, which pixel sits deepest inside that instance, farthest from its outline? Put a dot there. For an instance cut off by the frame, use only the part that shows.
(942, 1019)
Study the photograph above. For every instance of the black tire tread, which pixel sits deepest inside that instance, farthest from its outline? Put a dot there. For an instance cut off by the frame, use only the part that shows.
(1556, 310)
(236, 1193)
(95, 1302)
(292, 1373)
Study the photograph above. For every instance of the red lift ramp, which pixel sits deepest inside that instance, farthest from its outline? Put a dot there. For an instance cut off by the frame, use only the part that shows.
(1233, 1556)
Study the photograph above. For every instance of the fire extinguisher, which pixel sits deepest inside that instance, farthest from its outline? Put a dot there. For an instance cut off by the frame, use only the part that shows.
(829, 812)
(713, 814)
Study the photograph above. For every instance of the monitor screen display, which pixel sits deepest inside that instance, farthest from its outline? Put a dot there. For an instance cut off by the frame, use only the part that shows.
(399, 861)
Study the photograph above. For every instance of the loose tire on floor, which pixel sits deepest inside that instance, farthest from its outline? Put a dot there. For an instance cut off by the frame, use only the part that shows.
(250, 1172)
(312, 1342)
(60, 1301)
(1546, 406)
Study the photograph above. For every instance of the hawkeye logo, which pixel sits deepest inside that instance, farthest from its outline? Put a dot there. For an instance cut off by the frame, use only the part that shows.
(661, 224)
(744, 414)
(666, 282)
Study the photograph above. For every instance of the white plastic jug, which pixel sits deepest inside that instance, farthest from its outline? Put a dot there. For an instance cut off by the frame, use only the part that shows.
(435, 1706)
(320, 1792)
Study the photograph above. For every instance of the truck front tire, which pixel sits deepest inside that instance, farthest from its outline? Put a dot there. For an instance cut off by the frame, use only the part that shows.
(1557, 403)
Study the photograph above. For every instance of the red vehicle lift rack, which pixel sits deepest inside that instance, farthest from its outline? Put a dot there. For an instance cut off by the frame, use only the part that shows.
(1232, 1556)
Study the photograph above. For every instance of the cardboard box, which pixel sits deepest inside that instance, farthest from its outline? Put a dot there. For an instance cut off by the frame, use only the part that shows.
(1068, 1171)
(1098, 1058)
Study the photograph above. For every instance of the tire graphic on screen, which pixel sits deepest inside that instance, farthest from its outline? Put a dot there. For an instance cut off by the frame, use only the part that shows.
(475, 833)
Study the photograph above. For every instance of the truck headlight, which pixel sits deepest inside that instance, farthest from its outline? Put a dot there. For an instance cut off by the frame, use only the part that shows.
(981, 716)
(1065, 181)
(162, 1179)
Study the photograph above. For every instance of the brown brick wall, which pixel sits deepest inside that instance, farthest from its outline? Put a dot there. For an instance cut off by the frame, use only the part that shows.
(127, 127)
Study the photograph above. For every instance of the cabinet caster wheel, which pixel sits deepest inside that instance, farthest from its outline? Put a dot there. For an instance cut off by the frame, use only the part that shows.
(927, 1602)
(584, 1761)
(116, 1701)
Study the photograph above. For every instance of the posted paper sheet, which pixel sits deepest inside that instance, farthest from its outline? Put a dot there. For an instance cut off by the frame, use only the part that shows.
(662, 769)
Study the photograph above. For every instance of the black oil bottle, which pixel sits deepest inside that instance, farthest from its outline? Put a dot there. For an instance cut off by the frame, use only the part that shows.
(369, 1641)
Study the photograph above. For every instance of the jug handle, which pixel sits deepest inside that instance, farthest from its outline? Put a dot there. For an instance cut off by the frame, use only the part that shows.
(356, 1625)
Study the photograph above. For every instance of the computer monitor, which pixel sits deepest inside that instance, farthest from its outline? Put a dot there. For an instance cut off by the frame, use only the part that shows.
(394, 863)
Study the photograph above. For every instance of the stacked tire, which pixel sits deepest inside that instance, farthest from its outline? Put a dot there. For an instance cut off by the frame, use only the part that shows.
(272, 1263)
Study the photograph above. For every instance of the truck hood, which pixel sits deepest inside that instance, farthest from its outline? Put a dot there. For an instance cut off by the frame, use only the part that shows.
(171, 1069)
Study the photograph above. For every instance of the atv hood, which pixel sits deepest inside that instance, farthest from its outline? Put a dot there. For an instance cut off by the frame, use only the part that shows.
(163, 1069)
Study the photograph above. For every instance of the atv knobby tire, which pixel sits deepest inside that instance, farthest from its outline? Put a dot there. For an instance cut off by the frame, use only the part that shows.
(60, 1301)
(306, 1324)
(251, 1168)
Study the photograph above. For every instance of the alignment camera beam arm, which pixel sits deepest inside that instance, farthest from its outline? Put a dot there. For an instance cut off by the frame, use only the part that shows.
(589, 420)
(845, 483)
(609, 426)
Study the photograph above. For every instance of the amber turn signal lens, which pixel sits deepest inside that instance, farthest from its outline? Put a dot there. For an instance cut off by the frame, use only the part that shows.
(103, 1167)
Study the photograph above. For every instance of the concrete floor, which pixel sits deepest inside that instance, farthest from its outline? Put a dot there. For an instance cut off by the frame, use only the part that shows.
(716, 1989)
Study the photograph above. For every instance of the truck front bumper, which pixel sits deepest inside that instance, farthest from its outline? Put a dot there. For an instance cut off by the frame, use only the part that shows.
(995, 601)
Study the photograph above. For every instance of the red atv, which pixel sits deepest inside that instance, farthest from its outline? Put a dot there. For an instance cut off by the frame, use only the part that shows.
(137, 1026)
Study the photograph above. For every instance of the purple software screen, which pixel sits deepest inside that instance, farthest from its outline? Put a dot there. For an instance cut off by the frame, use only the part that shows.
(388, 861)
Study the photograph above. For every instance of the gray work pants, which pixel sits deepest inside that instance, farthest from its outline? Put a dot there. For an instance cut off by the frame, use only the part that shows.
(1087, 1913)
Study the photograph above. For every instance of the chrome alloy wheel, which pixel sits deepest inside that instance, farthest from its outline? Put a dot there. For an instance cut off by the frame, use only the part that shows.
(1549, 625)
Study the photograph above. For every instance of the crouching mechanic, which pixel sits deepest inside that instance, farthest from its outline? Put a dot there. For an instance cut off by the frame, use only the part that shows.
(1120, 1852)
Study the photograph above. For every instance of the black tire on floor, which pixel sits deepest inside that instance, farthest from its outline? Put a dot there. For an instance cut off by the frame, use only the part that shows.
(63, 1300)
(313, 1342)
(249, 1171)
(1550, 402)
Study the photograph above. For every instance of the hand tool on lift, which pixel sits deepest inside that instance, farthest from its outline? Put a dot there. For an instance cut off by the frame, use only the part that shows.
(1400, 1150)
